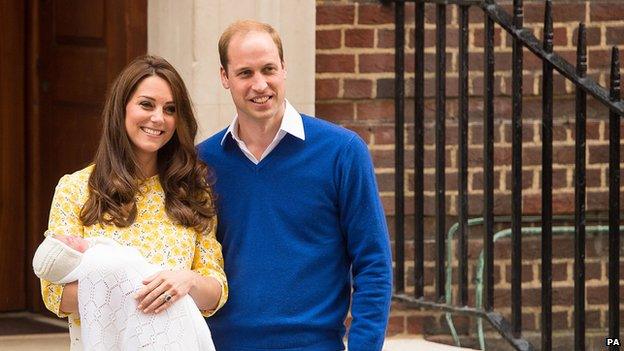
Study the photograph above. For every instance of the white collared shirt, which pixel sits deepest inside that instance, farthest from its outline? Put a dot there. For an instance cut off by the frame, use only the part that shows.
(292, 124)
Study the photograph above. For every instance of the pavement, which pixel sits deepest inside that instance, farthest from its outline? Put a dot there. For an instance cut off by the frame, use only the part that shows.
(60, 342)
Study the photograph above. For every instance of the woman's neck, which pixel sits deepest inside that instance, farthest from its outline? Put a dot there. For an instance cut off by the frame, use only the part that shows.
(148, 165)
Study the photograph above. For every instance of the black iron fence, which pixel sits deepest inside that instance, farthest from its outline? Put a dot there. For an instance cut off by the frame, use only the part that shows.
(494, 14)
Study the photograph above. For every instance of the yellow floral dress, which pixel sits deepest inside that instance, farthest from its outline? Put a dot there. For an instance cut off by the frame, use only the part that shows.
(159, 239)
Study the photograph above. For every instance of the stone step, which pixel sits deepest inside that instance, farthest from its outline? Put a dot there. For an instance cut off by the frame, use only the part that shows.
(414, 343)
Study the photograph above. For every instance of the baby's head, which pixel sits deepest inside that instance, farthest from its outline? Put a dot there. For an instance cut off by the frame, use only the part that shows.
(58, 255)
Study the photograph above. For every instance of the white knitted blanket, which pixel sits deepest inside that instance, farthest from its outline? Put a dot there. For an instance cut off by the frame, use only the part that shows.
(108, 277)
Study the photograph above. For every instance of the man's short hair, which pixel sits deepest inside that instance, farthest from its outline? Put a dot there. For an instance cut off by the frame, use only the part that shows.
(244, 27)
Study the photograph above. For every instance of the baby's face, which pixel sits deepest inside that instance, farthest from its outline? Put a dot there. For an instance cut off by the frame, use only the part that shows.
(75, 242)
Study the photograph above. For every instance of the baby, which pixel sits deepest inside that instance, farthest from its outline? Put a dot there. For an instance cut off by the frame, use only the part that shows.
(109, 275)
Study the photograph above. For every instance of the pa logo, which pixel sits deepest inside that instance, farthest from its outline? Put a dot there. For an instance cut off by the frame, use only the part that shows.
(612, 342)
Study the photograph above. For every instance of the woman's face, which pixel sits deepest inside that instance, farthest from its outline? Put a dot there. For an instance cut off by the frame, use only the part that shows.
(150, 117)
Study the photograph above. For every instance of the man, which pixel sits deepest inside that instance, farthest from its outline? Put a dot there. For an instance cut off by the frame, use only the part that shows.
(303, 231)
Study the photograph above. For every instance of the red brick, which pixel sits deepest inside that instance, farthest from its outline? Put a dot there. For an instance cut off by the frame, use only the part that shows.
(383, 158)
(559, 272)
(365, 132)
(450, 181)
(502, 155)
(384, 135)
(560, 320)
(527, 273)
(598, 154)
(335, 63)
(379, 110)
(592, 178)
(415, 325)
(359, 38)
(396, 325)
(560, 36)
(358, 88)
(559, 179)
(529, 321)
(563, 154)
(370, 63)
(335, 14)
(563, 296)
(533, 13)
(598, 200)
(502, 61)
(607, 11)
(593, 319)
(475, 14)
(328, 39)
(335, 112)
(593, 271)
(592, 36)
(597, 295)
(599, 58)
(385, 38)
(326, 89)
(385, 181)
(479, 37)
(567, 12)
(375, 14)
(563, 203)
(615, 35)
(477, 181)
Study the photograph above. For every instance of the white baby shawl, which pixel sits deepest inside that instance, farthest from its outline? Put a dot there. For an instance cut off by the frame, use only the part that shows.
(108, 277)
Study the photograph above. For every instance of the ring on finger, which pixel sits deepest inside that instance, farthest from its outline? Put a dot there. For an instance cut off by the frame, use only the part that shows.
(167, 297)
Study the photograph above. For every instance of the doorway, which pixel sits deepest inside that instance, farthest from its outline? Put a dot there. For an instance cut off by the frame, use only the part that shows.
(70, 53)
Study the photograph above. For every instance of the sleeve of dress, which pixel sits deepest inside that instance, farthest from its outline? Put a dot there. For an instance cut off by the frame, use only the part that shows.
(64, 219)
(208, 262)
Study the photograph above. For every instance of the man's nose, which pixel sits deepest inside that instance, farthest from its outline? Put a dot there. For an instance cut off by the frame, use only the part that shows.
(259, 83)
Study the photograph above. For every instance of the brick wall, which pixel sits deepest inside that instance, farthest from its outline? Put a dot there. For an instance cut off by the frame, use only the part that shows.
(355, 88)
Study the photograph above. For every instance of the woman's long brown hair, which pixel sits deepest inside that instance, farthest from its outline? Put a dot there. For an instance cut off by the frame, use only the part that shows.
(117, 176)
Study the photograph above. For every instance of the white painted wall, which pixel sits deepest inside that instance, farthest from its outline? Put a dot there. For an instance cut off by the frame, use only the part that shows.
(186, 33)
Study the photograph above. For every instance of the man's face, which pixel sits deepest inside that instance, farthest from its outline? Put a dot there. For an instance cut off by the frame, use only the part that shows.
(255, 77)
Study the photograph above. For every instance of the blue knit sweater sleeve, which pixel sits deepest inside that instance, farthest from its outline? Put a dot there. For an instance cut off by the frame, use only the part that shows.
(363, 224)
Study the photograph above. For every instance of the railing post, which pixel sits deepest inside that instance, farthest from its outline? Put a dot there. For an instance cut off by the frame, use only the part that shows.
(614, 202)
(579, 195)
(547, 123)
(488, 164)
(462, 172)
(516, 171)
(440, 148)
(399, 167)
(419, 150)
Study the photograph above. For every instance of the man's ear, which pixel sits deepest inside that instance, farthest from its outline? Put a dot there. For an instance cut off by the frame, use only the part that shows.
(224, 78)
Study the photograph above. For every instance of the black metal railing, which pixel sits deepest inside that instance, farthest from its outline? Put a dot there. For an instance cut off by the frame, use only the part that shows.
(522, 38)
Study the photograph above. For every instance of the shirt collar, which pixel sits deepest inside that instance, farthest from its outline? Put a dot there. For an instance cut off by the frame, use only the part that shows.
(292, 123)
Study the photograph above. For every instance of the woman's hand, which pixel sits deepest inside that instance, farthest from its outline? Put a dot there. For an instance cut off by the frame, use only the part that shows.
(163, 289)
(69, 299)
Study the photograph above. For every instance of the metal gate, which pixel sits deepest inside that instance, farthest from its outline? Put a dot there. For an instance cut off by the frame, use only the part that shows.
(494, 14)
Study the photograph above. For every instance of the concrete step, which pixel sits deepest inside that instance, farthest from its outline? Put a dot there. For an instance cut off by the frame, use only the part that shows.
(35, 342)
(60, 342)
(413, 344)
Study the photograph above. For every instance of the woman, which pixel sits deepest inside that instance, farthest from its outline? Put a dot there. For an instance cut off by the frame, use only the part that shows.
(145, 189)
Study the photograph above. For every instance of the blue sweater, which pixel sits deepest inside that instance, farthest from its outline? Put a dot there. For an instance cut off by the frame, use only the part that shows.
(299, 231)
